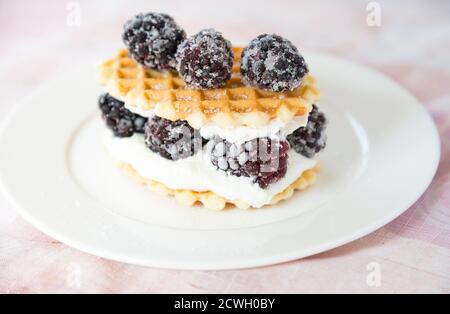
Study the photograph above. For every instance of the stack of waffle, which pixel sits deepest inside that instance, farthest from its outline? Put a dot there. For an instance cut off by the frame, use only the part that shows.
(163, 93)
(234, 123)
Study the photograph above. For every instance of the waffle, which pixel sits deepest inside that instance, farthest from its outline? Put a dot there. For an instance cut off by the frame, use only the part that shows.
(213, 201)
(234, 105)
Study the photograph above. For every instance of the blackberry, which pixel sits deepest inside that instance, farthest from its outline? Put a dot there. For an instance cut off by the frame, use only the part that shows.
(152, 40)
(205, 60)
(263, 159)
(172, 139)
(120, 120)
(272, 63)
(310, 139)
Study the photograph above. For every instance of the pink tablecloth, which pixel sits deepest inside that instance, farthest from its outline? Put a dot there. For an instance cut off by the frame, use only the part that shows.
(411, 44)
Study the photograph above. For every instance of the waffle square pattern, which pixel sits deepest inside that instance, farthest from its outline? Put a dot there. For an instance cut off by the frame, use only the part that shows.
(166, 95)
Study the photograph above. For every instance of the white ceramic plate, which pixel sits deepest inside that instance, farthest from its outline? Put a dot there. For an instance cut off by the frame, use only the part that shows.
(382, 152)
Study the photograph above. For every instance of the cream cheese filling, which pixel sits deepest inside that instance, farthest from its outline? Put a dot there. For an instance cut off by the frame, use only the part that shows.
(198, 173)
(238, 135)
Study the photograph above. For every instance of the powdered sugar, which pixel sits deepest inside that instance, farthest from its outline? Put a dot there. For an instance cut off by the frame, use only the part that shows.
(205, 60)
(271, 62)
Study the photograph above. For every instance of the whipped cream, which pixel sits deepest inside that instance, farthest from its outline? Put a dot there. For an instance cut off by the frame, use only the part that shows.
(239, 135)
(198, 173)
(143, 113)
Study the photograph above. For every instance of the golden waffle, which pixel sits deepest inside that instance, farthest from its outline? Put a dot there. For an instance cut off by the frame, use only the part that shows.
(213, 201)
(234, 105)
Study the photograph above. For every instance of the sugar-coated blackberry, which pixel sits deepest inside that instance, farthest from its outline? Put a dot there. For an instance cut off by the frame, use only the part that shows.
(172, 139)
(310, 139)
(152, 39)
(120, 120)
(264, 160)
(205, 60)
(273, 63)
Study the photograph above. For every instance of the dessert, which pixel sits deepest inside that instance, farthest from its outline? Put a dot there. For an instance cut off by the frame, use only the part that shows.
(207, 122)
